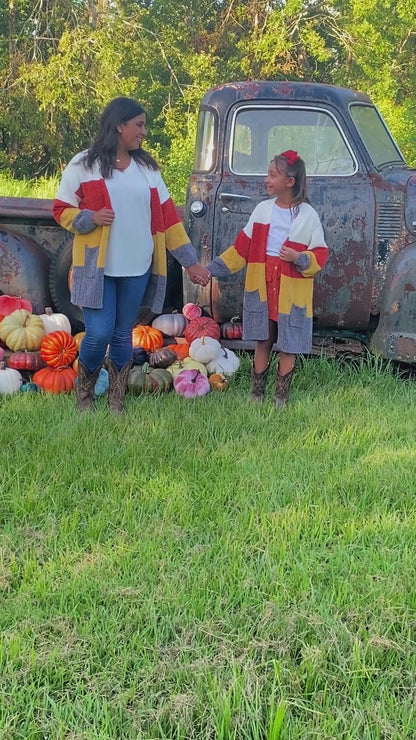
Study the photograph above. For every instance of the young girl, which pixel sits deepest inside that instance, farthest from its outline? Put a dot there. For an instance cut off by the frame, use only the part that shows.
(283, 247)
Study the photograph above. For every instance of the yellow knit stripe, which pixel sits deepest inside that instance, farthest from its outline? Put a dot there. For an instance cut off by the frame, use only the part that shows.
(89, 241)
(313, 265)
(255, 279)
(159, 262)
(67, 218)
(233, 260)
(295, 291)
(176, 236)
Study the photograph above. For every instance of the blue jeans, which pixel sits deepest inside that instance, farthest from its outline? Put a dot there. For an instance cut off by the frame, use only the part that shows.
(113, 323)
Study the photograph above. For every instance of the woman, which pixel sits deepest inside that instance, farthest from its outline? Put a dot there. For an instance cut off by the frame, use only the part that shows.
(113, 199)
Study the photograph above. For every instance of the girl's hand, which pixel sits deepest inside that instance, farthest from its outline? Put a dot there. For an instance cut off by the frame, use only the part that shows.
(103, 217)
(288, 254)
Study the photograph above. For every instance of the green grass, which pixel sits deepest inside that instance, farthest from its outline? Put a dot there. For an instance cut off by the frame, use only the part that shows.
(211, 568)
(43, 187)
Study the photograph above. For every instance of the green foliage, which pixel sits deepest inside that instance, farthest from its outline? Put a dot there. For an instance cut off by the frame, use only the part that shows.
(61, 62)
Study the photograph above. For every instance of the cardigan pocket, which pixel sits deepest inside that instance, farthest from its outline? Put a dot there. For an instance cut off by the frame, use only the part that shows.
(90, 261)
(297, 317)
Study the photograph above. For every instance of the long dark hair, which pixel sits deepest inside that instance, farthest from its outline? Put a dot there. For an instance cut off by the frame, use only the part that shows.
(104, 146)
(296, 170)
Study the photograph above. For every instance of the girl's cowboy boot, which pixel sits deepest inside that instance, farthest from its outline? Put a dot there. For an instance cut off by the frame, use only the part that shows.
(259, 384)
(85, 387)
(282, 388)
(117, 385)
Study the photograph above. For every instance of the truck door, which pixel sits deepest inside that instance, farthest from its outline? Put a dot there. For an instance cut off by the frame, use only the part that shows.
(338, 186)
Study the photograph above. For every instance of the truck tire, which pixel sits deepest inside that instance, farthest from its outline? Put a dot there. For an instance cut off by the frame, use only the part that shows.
(59, 273)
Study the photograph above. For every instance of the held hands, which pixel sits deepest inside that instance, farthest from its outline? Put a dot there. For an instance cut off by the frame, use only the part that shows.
(199, 274)
(287, 254)
(103, 217)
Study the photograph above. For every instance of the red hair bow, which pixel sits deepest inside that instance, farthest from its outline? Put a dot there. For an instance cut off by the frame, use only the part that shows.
(291, 156)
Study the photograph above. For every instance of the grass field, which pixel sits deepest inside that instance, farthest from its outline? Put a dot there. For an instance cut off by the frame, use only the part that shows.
(211, 568)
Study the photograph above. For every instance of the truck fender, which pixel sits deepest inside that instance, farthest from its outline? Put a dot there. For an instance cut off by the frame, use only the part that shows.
(24, 269)
(395, 335)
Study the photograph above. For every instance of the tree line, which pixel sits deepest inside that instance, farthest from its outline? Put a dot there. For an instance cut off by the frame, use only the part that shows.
(61, 61)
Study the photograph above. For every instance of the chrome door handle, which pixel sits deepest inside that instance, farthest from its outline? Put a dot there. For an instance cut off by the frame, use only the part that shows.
(234, 196)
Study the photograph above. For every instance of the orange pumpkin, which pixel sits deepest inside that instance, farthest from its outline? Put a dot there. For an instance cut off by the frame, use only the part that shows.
(78, 338)
(181, 350)
(55, 380)
(58, 349)
(147, 337)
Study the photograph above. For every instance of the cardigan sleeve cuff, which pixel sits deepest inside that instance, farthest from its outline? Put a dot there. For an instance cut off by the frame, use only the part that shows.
(303, 261)
(83, 222)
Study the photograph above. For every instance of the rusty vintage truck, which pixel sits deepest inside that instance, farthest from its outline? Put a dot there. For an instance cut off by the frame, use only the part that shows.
(358, 181)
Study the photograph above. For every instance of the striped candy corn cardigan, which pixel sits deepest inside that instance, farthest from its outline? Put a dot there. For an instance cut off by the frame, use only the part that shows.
(83, 191)
(296, 283)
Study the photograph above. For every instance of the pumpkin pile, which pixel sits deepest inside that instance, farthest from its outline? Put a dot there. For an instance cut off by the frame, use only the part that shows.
(180, 351)
(183, 351)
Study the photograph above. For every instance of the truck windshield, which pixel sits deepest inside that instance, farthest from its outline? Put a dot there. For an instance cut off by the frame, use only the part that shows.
(259, 132)
(373, 131)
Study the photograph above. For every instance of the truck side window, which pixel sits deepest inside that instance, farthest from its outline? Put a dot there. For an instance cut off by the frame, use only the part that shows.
(373, 131)
(205, 142)
(259, 132)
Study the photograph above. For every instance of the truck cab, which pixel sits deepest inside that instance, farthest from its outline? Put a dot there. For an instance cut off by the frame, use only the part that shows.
(358, 182)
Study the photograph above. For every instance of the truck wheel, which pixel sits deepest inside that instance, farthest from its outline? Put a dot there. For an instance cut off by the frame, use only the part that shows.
(59, 276)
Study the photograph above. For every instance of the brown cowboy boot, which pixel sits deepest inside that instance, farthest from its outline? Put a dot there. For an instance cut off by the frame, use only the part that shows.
(85, 387)
(117, 385)
(282, 388)
(259, 384)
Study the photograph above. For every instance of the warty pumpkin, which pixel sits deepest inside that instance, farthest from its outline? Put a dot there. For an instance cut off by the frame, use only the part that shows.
(22, 330)
(55, 379)
(144, 379)
(58, 349)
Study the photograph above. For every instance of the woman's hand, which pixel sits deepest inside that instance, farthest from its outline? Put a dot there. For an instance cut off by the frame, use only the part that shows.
(199, 274)
(103, 217)
(287, 254)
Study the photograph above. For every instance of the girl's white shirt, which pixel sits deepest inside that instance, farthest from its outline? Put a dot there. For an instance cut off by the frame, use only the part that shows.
(279, 229)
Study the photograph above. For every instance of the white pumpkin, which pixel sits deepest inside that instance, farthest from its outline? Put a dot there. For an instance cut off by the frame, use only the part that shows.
(10, 380)
(204, 349)
(225, 363)
(55, 321)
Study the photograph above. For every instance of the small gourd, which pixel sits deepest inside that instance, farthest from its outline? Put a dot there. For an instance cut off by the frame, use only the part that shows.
(191, 311)
(204, 349)
(232, 329)
(191, 383)
(10, 380)
(225, 363)
(218, 382)
(30, 387)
